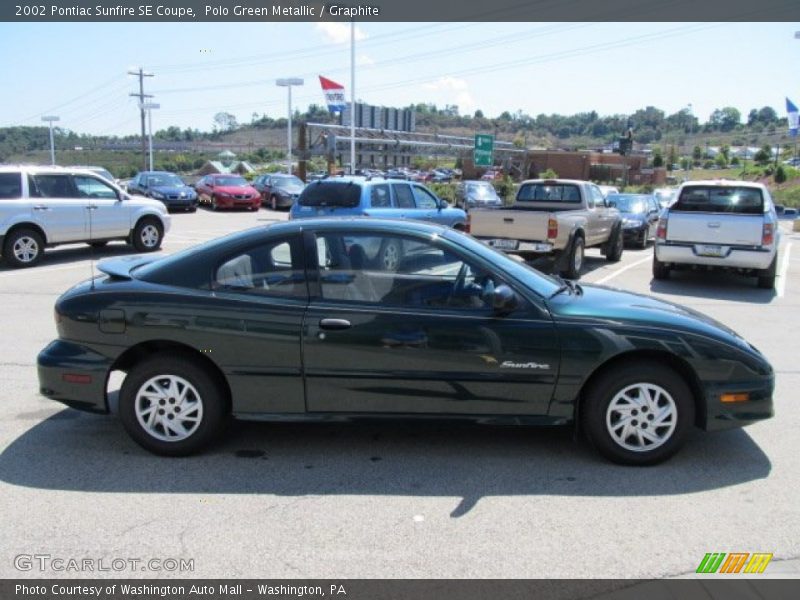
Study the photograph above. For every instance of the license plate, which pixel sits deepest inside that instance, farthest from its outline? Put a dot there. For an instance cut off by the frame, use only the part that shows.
(715, 251)
(505, 244)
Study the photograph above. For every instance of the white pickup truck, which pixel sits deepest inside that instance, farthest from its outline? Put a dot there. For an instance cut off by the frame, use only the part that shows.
(553, 217)
(719, 224)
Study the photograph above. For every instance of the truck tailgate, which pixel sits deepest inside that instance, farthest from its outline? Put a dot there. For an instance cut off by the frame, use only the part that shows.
(506, 223)
(715, 228)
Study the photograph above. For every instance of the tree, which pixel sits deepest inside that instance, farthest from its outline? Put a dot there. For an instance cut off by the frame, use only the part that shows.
(672, 157)
(478, 114)
(225, 121)
(721, 161)
(764, 155)
(697, 154)
(725, 119)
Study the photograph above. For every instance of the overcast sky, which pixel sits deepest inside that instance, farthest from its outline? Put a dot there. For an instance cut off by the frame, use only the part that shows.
(78, 71)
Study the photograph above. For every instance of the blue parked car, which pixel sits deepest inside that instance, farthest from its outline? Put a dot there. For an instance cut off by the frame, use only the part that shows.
(166, 187)
(387, 199)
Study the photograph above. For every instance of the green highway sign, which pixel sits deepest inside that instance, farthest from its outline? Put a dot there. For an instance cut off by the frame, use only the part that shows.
(483, 153)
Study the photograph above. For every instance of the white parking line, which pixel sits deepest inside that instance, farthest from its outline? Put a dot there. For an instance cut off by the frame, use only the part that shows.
(784, 271)
(611, 276)
(38, 270)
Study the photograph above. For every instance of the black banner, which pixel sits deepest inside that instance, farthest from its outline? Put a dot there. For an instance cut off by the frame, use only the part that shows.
(486, 589)
(400, 10)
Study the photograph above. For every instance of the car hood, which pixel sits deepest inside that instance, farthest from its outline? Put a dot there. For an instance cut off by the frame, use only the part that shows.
(172, 189)
(235, 189)
(293, 189)
(601, 303)
(140, 201)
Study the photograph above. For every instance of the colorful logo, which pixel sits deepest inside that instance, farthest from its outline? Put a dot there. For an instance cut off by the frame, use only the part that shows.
(734, 562)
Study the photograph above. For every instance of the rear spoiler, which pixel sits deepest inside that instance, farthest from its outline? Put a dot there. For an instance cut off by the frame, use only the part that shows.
(120, 268)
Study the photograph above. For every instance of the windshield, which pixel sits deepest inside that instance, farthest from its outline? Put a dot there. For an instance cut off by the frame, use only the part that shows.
(629, 203)
(727, 199)
(285, 182)
(230, 181)
(164, 180)
(549, 192)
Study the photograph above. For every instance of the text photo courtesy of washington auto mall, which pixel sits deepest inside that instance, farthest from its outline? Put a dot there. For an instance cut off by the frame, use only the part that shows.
(393, 299)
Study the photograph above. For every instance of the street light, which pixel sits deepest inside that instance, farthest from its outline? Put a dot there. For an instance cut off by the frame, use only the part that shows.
(150, 107)
(50, 119)
(288, 83)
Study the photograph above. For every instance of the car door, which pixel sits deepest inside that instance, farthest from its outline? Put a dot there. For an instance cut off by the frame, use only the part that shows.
(57, 207)
(603, 217)
(426, 205)
(108, 216)
(403, 199)
(419, 338)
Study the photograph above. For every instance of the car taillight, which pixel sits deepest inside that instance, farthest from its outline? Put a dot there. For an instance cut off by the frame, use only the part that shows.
(661, 232)
(468, 224)
(552, 228)
(768, 234)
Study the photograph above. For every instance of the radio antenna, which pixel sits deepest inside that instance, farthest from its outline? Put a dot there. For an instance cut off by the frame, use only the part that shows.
(91, 208)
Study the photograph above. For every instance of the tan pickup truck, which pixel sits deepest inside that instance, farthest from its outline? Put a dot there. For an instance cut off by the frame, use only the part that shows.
(553, 217)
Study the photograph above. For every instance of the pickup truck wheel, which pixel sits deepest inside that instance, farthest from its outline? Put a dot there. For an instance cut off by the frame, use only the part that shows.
(147, 235)
(575, 258)
(766, 278)
(171, 405)
(660, 270)
(638, 414)
(23, 248)
(615, 247)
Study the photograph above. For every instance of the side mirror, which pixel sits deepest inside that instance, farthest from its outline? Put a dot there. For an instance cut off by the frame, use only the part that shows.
(610, 203)
(210, 184)
(504, 300)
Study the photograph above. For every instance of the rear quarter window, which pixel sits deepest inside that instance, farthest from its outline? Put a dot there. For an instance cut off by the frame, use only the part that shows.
(728, 199)
(10, 186)
(331, 194)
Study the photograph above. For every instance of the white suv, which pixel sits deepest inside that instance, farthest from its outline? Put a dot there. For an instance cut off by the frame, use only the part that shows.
(47, 206)
(719, 224)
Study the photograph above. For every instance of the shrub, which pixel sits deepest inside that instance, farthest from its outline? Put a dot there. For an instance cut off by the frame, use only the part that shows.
(780, 174)
(548, 174)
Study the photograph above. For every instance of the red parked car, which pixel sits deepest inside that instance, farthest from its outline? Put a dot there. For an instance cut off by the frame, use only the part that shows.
(227, 191)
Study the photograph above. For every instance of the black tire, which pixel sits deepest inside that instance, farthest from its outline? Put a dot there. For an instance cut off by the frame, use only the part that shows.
(151, 374)
(102, 244)
(575, 258)
(273, 202)
(23, 248)
(766, 278)
(148, 234)
(643, 241)
(615, 246)
(193, 209)
(214, 206)
(604, 426)
(660, 270)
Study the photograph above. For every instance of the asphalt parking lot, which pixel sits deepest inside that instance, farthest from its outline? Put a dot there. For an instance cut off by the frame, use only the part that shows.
(395, 500)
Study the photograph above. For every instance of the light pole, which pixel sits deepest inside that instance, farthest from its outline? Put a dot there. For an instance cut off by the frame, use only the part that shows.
(691, 154)
(50, 119)
(352, 97)
(150, 107)
(288, 83)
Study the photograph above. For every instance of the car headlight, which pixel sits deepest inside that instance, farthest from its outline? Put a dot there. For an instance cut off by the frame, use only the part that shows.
(629, 223)
(158, 195)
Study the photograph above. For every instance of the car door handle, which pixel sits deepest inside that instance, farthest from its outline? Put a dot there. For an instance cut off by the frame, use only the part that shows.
(41, 207)
(334, 324)
(91, 207)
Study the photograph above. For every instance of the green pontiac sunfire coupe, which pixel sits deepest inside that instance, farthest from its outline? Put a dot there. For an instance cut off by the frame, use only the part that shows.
(353, 317)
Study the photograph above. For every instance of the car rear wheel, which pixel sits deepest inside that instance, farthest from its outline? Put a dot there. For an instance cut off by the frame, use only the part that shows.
(171, 406)
(575, 258)
(766, 278)
(389, 256)
(23, 248)
(660, 270)
(638, 414)
(147, 235)
(615, 246)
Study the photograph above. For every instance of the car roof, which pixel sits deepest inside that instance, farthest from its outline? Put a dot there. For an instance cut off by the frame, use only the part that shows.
(556, 181)
(724, 183)
(46, 169)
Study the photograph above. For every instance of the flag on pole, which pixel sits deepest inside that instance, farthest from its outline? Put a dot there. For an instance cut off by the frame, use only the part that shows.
(334, 94)
(793, 117)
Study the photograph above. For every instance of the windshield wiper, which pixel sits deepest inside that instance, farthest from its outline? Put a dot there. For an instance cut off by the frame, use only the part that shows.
(567, 285)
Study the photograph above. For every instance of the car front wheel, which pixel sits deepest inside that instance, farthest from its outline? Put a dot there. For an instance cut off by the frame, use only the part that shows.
(171, 406)
(638, 414)
(147, 235)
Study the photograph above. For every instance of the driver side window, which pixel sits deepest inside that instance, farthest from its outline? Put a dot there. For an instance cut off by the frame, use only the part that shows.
(89, 187)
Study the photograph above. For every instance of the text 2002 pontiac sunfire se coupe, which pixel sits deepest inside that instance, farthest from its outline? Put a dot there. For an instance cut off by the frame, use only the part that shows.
(308, 319)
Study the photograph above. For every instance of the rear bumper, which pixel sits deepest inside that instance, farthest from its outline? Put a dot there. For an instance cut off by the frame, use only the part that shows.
(75, 375)
(734, 258)
(722, 415)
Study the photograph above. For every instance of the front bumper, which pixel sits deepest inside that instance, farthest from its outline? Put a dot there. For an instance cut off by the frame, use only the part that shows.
(724, 415)
(733, 258)
(75, 375)
(223, 202)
